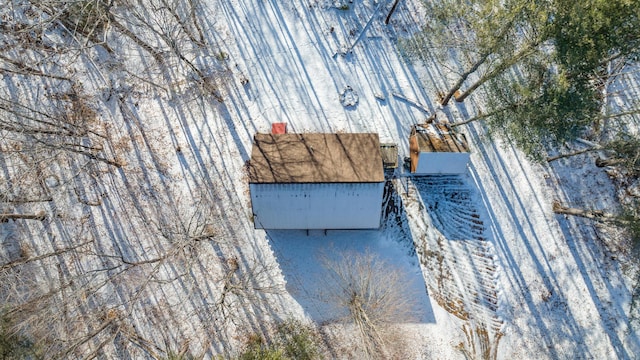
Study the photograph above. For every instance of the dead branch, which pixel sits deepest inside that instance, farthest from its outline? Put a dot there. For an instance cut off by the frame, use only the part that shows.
(60, 16)
(579, 152)
(600, 162)
(144, 344)
(89, 155)
(85, 201)
(58, 252)
(23, 200)
(88, 337)
(27, 70)
(243, 283)
(124, 30)
(412, 102)
(174, 13)
(39, 216)
(194, 19)
(598, 215)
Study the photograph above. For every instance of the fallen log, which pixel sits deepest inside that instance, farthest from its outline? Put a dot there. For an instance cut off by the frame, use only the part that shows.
(589, 214)
(39, 216)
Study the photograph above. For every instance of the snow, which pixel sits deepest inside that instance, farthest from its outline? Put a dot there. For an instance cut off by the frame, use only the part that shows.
(537, 284)
(301, 258)
(558, 294)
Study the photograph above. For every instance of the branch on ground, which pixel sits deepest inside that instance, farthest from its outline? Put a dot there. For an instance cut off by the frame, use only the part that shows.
(599, 215)
(38, 216)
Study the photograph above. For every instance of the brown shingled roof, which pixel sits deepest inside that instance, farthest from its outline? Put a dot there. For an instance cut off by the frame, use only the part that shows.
(438, 138)
(315, 158)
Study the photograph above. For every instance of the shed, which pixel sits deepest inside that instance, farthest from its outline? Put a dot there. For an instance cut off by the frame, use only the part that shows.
(437, 149)
(316, 181)
(389, 155)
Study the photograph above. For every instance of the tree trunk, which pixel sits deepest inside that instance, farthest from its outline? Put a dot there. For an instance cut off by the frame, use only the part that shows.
(393, 8)
(463, 77)
(600, 162)
(477, 64)
(6, 217)
(472, 88)
(194, 19)
(412, 102)
(484, 116)
(123, 29)
(562, 156)
(589, 214)
(497, 71)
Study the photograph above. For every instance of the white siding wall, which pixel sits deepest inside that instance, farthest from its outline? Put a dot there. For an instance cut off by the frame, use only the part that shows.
(442, 163)
(317, 206)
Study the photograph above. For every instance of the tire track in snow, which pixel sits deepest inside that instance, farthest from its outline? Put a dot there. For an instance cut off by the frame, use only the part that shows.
(456, 254)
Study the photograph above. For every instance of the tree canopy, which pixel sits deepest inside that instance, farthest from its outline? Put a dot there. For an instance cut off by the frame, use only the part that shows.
(539, 63)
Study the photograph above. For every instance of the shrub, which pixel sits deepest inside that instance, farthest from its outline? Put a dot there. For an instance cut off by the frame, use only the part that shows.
(13, 345)
(298, 341)
(292, 340)
(257, 348)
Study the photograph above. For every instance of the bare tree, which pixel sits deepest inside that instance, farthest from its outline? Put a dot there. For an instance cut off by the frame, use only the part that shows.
(45, 290)
(102, 254)
(241, 285)
(370, 294)
(478, 344)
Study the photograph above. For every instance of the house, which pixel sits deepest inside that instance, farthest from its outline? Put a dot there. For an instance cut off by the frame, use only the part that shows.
(316, 181)
(437, 149)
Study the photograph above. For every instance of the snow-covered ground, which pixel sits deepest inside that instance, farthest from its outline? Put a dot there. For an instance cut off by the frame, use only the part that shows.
(557, 292)
(493, 270)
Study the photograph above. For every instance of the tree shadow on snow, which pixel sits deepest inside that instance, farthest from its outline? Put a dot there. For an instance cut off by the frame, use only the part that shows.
(545, 296)
(301, 255)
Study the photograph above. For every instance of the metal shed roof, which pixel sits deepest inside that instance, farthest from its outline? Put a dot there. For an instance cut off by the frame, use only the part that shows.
(315, 158)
